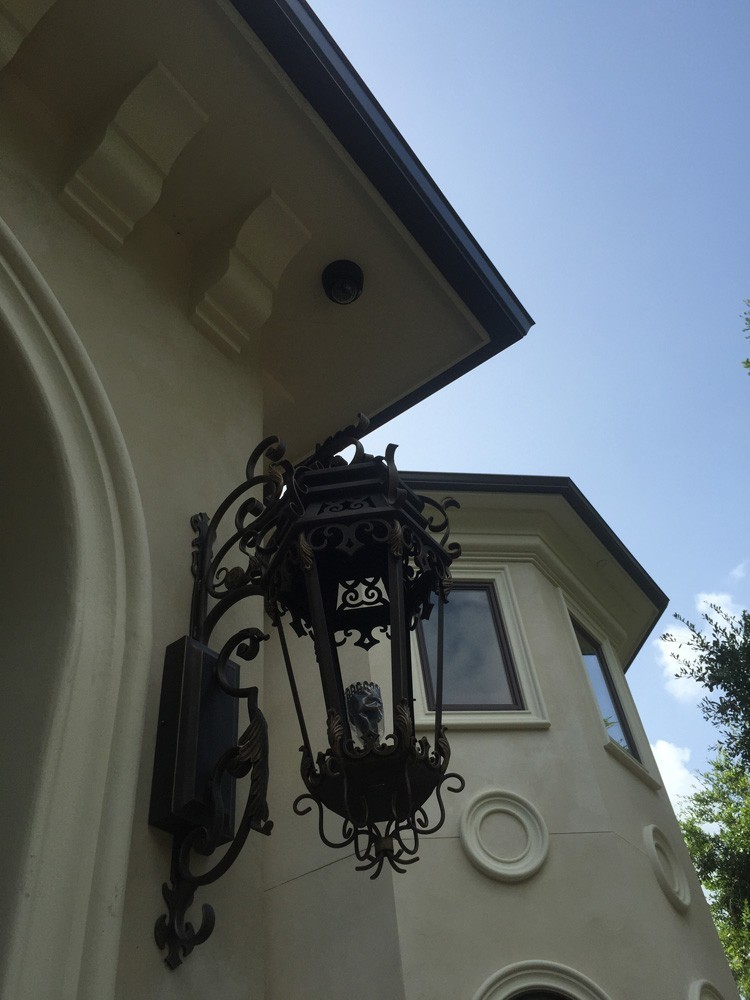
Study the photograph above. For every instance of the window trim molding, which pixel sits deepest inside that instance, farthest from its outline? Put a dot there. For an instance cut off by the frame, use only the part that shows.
(637, 767)
(645, 769)
(603, 660)
(505, 655)
(534, 715)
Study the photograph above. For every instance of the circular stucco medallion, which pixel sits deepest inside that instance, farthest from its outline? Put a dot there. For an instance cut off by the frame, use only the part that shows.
(669, 872)
(701, 989)
(526, 978)
(504, 836)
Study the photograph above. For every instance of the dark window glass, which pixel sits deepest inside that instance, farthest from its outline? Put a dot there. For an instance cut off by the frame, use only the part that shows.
(536, 995)
(477, 667)
(601, 681)
(540, 996)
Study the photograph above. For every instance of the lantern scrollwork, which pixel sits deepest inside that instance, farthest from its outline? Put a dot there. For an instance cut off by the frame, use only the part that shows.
(347, 555)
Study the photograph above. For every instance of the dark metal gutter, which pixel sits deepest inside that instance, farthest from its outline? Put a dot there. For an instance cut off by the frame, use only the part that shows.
(562, 486)
(307, 53)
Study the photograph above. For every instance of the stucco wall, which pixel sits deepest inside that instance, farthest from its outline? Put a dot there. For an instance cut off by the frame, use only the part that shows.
(591, 901)
(186, 418)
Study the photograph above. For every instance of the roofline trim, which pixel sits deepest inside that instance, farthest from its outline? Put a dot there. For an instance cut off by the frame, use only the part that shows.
(307, 53)
(556, 486)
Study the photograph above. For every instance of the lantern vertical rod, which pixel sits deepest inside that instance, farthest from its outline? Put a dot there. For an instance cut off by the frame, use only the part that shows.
(439, 677)
(279, 625)
(202, 552)
(325, 649)
(399, 631)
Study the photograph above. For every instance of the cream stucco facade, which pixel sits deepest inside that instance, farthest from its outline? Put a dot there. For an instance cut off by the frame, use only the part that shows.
(170, 191)
(561, 865)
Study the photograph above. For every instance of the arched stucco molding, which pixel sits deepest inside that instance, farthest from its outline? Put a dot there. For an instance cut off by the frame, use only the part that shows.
(524, 977)
(62, 924)
(701, 989)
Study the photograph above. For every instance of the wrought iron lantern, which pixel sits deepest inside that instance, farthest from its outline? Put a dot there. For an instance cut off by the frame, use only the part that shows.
(347, 555)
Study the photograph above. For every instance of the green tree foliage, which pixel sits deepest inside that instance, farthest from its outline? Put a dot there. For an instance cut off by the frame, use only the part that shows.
(716, 825)
(716, 819)
(719, 658)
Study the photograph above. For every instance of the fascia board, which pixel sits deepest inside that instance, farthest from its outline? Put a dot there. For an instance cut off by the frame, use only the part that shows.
(305, 51)
(565, 488)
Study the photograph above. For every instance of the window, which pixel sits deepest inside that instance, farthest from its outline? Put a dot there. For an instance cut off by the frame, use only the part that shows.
(540, 996)
(478, 671)
(556, 982)
(604, 690)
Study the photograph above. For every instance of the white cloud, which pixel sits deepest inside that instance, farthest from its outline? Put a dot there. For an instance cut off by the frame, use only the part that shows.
(684, 689)
(678, 779)
(703, 603)
(739, 572)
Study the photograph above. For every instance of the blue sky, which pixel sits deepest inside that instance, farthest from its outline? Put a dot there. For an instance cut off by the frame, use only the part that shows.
(599, 154)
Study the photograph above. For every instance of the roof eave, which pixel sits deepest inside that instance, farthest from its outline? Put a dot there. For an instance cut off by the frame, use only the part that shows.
(565, 488)
(307, 53)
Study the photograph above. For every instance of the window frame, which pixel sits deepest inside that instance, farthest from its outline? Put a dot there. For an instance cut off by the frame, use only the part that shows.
(506, 656)
(632, 748)
(533, 715)
(645, 768)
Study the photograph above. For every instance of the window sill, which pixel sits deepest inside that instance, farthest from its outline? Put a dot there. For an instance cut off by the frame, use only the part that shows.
(457, 721)
(633, 765)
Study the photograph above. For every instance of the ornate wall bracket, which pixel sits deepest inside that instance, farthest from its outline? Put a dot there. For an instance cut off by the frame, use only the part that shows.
(199, 756)
(250, 756)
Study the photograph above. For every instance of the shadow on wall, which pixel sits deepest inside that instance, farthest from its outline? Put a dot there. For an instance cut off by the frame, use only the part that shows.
(36, 607)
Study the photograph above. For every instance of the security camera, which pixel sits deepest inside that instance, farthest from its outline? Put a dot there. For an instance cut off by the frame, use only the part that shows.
(343, 281)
